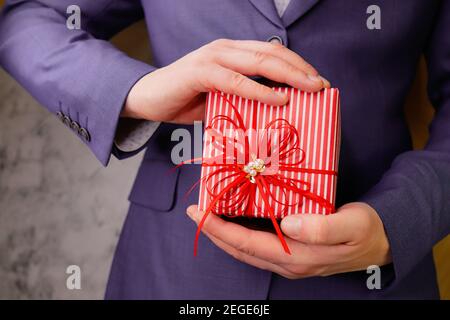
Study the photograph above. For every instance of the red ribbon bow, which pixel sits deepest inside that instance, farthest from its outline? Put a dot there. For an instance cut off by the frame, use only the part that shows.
(235, 191)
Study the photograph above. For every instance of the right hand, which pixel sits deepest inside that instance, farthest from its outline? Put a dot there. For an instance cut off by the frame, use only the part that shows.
(176, 93)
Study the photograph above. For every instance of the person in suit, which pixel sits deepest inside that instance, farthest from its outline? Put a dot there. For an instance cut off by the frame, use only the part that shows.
(393, 202)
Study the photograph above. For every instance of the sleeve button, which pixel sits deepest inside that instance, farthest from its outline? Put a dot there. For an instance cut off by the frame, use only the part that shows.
(67, 121)
(85, 134)
(275, 40)
(75, 126)
(60, 115)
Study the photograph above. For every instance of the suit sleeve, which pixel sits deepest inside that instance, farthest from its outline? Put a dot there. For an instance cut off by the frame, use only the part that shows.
(413, 197)
(77, 74)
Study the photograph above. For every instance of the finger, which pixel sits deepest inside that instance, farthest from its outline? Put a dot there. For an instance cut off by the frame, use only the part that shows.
(267, 246)
(338, 228)
(251, 260)
(228, 81)
(260, 244)
(280, 51)
(307, 269)
(277, 50)
(269, 66)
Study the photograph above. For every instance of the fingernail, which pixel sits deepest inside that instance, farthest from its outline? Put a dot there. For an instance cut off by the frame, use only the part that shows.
(326, 83)
(314, 78)
(190, 213)
(291, 225)
(318, 78)
(281, 94)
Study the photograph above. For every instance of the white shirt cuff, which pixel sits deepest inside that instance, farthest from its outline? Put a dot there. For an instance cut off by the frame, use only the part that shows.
(133, 134)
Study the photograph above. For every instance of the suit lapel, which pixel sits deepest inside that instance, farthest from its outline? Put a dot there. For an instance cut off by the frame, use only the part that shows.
(268, 9)
(296, 9)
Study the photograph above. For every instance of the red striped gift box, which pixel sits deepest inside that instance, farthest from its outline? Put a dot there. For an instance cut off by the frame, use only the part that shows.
(303, 180)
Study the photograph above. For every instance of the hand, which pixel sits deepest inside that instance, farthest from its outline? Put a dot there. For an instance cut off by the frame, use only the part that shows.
(176, 93)
(350, 240)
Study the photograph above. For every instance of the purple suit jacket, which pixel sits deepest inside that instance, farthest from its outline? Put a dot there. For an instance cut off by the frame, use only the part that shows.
(78, 74)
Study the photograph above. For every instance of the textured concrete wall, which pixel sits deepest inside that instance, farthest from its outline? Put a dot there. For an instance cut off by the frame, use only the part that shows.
(58, 205)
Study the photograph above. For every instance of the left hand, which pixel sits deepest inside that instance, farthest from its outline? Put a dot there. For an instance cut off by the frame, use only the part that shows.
(351, 239)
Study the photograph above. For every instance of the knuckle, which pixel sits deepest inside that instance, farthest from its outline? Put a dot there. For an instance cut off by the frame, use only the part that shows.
(249, 252)
(245, 248)
(203, 75)
(237, 80)
(201, 56)
(300, 270)
(307, 66)
(211, 49)
(321, 231)
(310, 270)
(219, 43)
(291, 69)
(260, 57)
(290, 276)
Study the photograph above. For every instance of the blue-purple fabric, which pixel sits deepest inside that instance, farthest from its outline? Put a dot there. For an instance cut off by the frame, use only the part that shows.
(79, 72)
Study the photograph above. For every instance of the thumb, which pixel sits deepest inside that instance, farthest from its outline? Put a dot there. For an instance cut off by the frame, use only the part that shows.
(315, 229)
(291, 225)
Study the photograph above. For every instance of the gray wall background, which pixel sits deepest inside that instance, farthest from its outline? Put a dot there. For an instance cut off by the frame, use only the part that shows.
(58, 205)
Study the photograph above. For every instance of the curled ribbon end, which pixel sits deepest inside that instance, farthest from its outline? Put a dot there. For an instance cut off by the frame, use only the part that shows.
(197, 236)
(195, 250)
(282, 240)
(199, 230)
(286, 249)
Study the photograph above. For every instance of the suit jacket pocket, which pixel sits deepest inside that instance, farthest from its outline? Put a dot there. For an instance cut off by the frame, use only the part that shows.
(155, 185)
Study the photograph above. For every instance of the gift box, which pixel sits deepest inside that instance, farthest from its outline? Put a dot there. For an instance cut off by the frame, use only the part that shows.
(265, 161)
